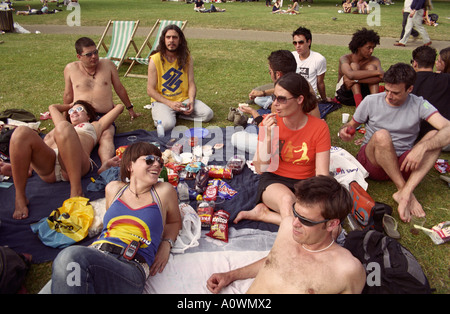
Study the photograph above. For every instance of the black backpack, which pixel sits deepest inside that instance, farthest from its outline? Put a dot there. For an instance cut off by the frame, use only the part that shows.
(13, 269)
(5, 138)
(390, 267)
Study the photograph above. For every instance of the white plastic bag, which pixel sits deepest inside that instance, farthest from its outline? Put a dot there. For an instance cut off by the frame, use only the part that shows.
(346, 168)
(191, 229)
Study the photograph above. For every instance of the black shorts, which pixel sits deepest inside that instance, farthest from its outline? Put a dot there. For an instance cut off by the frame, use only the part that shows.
(268, 178)
(345, 96)
(99, 115)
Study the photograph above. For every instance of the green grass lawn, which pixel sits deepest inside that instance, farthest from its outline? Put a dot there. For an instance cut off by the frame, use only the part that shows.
(31, 77)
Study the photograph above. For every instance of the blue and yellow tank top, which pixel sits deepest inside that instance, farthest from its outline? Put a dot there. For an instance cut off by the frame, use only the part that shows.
(173, 82)
(122, 225)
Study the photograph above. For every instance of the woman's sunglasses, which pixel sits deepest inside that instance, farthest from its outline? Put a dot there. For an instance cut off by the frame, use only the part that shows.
(150, 160)
(306, 221)
(280, 99)
(77, 109)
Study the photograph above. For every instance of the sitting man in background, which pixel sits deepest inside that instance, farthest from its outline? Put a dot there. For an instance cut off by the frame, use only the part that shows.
(392, 120)
(304, 257)
(171, 83)
(359, 72)
(310, 64)
(434, 87)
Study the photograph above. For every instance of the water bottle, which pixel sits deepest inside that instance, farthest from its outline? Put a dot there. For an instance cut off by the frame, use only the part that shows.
(183, 191)
(160, 129)
(163, 177)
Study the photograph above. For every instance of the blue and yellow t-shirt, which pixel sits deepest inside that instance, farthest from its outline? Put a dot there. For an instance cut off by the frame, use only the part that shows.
(173, 81)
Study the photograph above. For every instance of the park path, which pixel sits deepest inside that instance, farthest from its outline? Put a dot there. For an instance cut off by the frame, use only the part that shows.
(233, 34)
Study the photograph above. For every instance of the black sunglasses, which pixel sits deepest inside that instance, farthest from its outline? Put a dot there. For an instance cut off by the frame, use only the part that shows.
(280, 99)
(306, 221)
(150, 160)
(301, 42)
(89, 54)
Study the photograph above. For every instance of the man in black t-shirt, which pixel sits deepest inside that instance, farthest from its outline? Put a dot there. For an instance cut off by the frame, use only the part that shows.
(434, 87)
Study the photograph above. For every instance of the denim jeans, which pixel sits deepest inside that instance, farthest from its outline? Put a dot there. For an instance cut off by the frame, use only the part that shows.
(263, 101)
(80, 269)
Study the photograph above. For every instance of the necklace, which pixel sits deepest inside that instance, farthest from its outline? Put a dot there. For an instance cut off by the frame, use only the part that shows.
(136, 194)
(317, 251)
(93, 75)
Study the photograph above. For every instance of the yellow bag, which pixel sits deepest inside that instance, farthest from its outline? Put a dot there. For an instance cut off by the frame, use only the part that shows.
(66, 225)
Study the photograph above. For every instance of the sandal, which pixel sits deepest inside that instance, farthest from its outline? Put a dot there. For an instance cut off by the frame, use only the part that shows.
(231, 114)
(390, 226)
(240, 120)
(45, 116)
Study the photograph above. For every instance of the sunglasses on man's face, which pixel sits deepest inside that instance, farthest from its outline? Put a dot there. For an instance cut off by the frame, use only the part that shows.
(280, 99)
(77, 109)
(305, 221)
(90, 54)
(150, 159)
(300, 42)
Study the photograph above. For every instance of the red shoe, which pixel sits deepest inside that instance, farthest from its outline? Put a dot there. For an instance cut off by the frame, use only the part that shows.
(427, 44)
(399, 45)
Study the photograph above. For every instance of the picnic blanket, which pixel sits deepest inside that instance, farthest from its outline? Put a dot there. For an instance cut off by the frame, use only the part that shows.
(44, 197)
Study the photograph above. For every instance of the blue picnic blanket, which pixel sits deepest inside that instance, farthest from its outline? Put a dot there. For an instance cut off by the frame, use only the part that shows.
(45, 197)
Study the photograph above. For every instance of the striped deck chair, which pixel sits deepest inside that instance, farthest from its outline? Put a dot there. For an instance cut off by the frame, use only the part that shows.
(160, 24)
(122, 37)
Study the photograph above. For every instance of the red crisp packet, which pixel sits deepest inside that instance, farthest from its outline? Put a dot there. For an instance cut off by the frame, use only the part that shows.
(205, 211)
(219, 226)
(120, 150)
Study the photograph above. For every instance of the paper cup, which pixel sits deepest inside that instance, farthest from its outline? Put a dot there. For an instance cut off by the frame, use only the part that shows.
(345, 117)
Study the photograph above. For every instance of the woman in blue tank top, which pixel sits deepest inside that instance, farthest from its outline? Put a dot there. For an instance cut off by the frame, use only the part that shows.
(139, 228)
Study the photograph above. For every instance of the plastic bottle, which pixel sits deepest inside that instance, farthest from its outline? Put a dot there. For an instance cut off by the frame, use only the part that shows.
(160, 129)
(183, 191)
(163, 175)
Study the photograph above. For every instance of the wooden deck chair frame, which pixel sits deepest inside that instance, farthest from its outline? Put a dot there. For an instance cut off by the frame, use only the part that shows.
(160, 24)
(122, 37)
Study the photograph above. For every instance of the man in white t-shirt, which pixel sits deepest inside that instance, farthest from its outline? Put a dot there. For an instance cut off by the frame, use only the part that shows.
(310, 64)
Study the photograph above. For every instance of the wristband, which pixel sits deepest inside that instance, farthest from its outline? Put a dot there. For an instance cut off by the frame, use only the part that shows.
(130, 107)
(170, 242)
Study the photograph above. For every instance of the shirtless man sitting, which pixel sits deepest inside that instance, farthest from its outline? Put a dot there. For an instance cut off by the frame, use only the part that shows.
(359, 72)
(304, 257)
(91, 79)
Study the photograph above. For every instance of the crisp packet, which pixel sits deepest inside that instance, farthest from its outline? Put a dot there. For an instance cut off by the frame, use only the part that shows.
(225, 191)
(443, 230)
(120, 150)
(442, 166)
(205, 211)
(219, 226)
(439, 234)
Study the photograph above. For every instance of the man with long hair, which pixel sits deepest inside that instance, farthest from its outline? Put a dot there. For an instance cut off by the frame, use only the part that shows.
(171, 84)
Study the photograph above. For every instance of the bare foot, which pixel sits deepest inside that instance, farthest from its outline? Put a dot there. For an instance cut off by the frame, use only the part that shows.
(407, 205)
(21, 209)
(5, 169)
(113, 162)
(259, 213)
